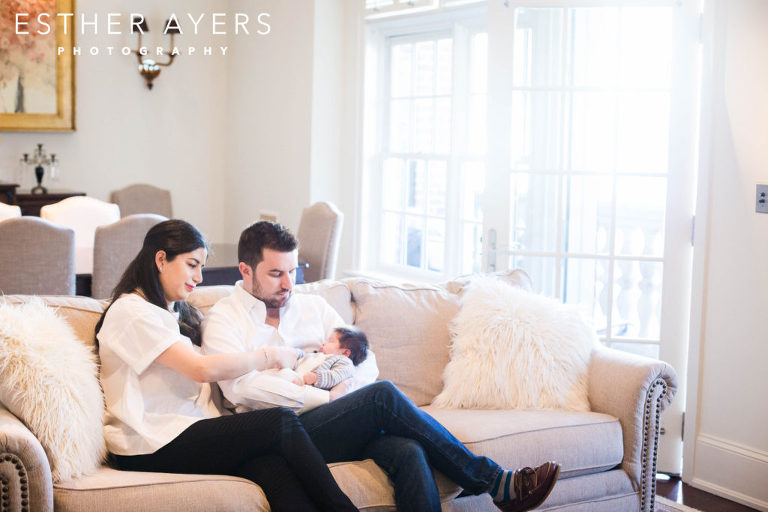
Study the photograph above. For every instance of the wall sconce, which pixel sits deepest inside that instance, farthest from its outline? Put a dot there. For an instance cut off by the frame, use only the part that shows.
(149, 68)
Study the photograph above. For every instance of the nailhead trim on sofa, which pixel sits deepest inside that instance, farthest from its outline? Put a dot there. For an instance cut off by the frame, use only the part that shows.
(9, 459)
(651, 444)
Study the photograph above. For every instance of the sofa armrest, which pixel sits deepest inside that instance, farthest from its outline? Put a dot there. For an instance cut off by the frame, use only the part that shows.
(24, 470)
(634, 389)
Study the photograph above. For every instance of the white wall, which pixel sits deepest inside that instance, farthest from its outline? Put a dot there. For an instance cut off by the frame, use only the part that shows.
(730, 447)
(172, 136)
(269, 116)
(259, 129)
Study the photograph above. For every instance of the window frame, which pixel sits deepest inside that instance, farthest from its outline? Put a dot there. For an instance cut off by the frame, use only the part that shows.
(460, 23)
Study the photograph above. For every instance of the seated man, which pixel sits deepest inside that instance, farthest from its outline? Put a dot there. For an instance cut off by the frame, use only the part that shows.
(377, 421)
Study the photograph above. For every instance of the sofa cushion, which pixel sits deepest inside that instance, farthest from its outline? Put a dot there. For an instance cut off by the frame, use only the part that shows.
(519, 350)
(128, 491)
(363, 481)
(81, 313)
(407, 328)
(582, 442)
(204, 297)
(517, 277)
(49, 379)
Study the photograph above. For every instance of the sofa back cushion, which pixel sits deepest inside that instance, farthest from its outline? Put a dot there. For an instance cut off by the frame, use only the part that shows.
(407, 328)
(81, 313)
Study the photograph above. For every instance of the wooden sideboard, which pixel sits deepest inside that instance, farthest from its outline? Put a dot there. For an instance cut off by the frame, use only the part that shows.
(8, 193)
(31, 203)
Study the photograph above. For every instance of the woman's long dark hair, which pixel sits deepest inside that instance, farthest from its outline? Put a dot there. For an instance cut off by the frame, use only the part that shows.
(174, 237)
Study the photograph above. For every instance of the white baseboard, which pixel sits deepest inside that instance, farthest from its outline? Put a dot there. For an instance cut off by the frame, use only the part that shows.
(732, 470)
(729, 494)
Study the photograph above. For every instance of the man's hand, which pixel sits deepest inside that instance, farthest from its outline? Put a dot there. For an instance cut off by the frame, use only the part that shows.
(338, 391)
(281, 357)
(310, 378)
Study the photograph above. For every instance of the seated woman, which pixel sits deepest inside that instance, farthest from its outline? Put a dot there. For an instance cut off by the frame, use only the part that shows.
(159, 412)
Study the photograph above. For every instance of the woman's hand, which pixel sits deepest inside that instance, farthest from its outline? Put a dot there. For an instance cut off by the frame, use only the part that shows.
(280, 357)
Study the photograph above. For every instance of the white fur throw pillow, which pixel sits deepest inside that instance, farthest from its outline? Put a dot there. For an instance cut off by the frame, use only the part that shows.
(513, 349)
(49, 379)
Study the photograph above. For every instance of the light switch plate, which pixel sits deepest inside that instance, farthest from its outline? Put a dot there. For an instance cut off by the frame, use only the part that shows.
(761, 199)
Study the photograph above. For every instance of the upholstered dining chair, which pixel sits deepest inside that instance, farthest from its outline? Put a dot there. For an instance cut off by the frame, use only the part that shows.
(142, 198)
(9, 211)
(83, 214)
(114, 246)
(319, 236)
(37, 257)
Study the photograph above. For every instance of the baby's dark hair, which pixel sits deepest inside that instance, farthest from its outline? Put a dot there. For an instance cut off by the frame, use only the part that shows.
(355, 341)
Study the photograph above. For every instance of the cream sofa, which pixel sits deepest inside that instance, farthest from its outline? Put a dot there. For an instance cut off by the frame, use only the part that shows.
(608, 455)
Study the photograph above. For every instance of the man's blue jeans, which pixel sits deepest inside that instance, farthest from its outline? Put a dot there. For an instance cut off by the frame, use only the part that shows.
(380, 422)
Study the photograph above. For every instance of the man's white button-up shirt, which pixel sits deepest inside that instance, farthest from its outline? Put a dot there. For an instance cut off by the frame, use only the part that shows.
(237, 324)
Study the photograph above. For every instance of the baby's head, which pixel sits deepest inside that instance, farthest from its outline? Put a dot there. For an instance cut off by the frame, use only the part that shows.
(347, 341)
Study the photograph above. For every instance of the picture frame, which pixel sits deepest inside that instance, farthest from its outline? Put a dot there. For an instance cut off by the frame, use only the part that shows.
(37, 82)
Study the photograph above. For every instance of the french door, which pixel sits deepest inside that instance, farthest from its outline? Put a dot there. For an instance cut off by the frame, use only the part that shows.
(590, 182)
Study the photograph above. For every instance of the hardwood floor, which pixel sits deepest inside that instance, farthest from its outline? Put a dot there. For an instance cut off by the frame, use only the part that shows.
(674, 489)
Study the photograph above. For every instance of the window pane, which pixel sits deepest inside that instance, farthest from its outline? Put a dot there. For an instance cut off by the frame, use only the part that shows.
(534, 209)
(589, 213)
(392, 184)
(425, 68)
(478, 74)
(477, 136)
(643, 132)
(444, 66)
(595, 46)
(401, 70)
(391, 238)
(536, 130)
(472, 187)
(637, 299)
(541, 270)
(435, 245)
(423, 125)
(538, 47)
(647, 55)
(399, 125)
(640, 210)
(416, 186)
(593, 131)
(443, 125)
(586, 284)
(414, 228)
(437, 188)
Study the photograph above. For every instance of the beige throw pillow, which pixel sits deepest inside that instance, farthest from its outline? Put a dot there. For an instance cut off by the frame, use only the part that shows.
(49, 380)
(513, 349)
(407, 328)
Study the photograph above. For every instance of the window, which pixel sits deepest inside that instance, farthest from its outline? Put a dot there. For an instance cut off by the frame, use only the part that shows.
(560, 139)
(426, 175)
(588, 156)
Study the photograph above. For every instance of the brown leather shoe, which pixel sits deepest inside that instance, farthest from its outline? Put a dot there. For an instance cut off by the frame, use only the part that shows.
(531, 487)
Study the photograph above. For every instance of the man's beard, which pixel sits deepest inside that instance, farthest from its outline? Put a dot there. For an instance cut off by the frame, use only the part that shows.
(270, 302)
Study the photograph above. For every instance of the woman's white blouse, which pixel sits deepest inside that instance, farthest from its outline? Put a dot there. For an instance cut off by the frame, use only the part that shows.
(148, 404)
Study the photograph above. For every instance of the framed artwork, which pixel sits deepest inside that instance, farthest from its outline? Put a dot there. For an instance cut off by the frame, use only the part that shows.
(37, 68)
